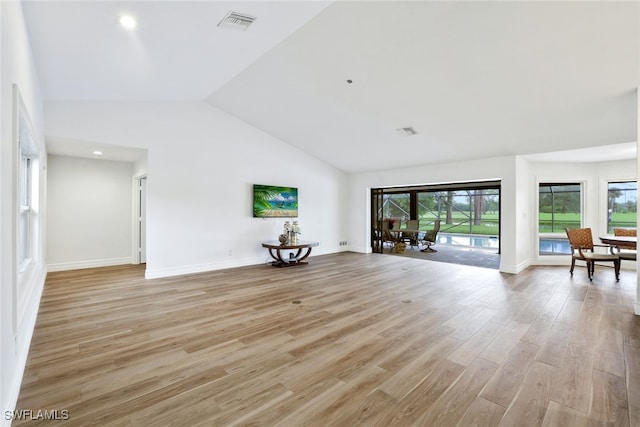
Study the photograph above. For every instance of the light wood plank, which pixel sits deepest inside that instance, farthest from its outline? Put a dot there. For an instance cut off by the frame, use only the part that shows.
(504, 342)
(504, 385)
(609, 400)
(557, 415)
(632, 364)
(482, 413)
(573, 389)
(530, 404)
(451, 406)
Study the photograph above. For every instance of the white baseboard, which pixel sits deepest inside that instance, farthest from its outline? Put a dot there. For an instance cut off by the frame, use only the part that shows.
(157, 273)
(23, 343)
(515, 268)
(201, 268)
(78, 265)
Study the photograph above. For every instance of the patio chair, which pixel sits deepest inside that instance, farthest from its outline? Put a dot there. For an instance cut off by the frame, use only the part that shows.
(430, 236)
(411, 237)
(387, 236)
(583, 249)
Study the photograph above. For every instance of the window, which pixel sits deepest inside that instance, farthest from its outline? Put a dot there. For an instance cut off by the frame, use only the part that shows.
(468, 211)
(559, 207)
(24, 219)
(25, 206)
(622, 204)
(28, 191)
(397, 206)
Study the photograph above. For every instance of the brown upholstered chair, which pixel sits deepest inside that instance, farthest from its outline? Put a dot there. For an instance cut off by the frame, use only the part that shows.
(626, 255)
(619, 231)
(583, 249)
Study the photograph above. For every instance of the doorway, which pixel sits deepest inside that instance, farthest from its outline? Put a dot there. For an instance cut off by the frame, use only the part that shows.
(141, 219)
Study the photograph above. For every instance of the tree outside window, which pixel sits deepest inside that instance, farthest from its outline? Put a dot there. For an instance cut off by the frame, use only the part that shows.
(622, 206)
(560, 207)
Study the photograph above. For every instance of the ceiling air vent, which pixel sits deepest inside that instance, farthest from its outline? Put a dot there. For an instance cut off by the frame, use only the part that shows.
(237, 21)
(408, 131)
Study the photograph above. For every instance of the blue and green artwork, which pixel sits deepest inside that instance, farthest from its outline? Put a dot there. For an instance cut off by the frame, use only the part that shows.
(270, 201)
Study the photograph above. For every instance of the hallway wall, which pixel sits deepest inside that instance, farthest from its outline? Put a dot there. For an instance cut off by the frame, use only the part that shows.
(90, 213)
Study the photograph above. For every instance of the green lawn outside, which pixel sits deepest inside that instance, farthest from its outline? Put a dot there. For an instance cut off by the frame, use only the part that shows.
(460, 224)
(572, 220)
(489, 223)
(625, 218)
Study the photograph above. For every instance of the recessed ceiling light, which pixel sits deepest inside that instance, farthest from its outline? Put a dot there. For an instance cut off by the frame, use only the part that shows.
(127, 21)
(97, 153)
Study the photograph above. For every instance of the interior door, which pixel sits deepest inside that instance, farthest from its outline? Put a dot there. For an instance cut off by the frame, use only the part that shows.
(142, 221)
(377, 201)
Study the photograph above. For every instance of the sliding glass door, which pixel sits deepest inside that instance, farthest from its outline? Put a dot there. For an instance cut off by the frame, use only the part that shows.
(469, 213)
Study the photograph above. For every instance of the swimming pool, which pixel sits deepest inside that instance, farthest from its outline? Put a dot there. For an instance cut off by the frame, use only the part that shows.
(475, 241)
(547, 246)
(555, 247)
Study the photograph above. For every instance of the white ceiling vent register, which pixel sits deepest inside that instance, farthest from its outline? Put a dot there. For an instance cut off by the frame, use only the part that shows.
(408, 131)
(237, 21)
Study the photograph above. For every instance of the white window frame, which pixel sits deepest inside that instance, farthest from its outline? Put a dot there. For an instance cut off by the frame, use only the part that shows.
(26, 202)
(25, 209)
(556, 235)
(604, 197)
(28, 192)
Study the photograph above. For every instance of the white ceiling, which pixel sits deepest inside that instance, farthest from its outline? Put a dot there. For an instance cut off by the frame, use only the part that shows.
(475, 79)
(177, 52)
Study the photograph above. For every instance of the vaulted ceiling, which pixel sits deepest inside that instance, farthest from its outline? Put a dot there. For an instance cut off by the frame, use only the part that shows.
(337, 79)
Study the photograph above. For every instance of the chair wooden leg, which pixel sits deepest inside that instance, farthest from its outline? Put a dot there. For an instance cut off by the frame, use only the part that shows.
(590, 269)
(573, 264)
(616, 267)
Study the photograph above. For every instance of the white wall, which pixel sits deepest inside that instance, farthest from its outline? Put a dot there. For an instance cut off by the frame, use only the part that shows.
(89, 217)
(19, 292)
(201, 166)
(524, 202)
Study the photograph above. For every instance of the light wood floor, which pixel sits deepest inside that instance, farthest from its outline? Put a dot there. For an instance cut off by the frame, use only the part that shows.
(349, 339)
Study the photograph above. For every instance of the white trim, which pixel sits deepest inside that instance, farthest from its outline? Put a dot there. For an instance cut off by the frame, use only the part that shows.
(584, 182)
(201, 268)
(23, 342)
(603, 195)
(515, 269)
(135, 257)
(78, 265)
